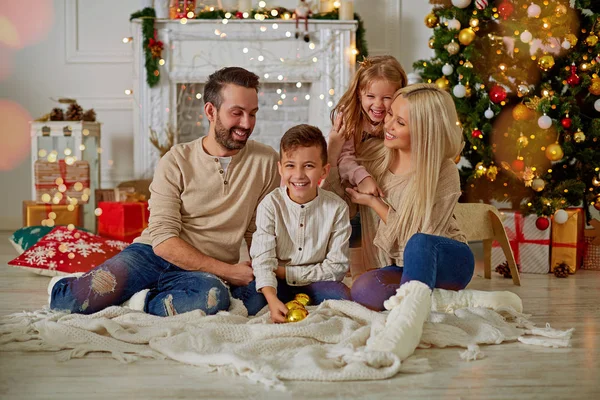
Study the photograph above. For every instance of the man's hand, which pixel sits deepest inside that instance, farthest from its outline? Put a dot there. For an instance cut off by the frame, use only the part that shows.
(240, 274)
(369, 186)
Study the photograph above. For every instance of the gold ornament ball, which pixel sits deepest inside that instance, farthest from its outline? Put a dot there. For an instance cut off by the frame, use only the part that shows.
(546, 62)
(594, 87)
(538, 184)
(453, 48)
(554, 152)
(431, 20)
(591, 40)
(492, 173)
(443, 83)
(468, 64)
(571, 38)
(596, 182)
(466, 36)
(522, 90)
(474, 22)
(293, 304)
(521, 112)
(302, 298)
(522, 141)
(296, 315)
(468, 91)
(579, 137)
(431, 43)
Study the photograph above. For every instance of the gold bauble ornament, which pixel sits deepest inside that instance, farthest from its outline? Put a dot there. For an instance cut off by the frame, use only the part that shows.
(522, 90)
(431, 20)
(474, 22)
(521, 112)
(479, 169)
(538, 184)
(466, 36)
(546, 62)
(302, 298)
(522, 142)
(443, 83)
(468, 91)
(293, 304)
(296, 315)
(596, 182)
(554, 152)
(591, 40)
(528, 176)
(594, 87)
(468, 64)
(560, 10)
(492, 172)
(431, 43)
(572, 39)
(578, 137)
(453, 47)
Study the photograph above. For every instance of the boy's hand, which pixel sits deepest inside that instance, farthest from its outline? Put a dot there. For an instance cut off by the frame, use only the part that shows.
(369, 186)
(278, 310)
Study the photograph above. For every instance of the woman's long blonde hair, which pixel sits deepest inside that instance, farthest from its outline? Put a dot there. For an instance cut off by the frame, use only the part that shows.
(434, 137)
(385, 68)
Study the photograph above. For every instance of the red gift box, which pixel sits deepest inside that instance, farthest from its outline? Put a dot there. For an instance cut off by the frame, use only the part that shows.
(122, 221)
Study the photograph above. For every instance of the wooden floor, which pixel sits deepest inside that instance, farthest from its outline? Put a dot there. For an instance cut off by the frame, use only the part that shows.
(509, 371)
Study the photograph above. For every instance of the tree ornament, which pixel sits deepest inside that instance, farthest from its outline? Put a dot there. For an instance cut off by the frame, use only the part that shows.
(534, 11)
(447, 69)
(431, 20)
(454, 24)
(468, 90)
(57, 114)
(497, 94)
(571, 38)
(591, 40)
(538, 184)
(156, 47)
(474, 22)
(544, 122)
(492, 173)
(522, 90)
(489, 113)
(573, 79)
(481, 4)
(528, 176)
(479, 169)
(518, 165)
(521, 112)
(579, 137)
(461, 3)
(459, 91)
(561, 216)
(431, 43)
(466, 36)
(594, 87)
(526, 37)
(468, 64)
(477, 133)
(561, 270)
(453, 47)
(597, 105)
(522, 142)
(546, 62)
(505, 9)
(443, 83)
(566, 44)
(542, 223)
(566, 122)
(554, 152)
(596, 182)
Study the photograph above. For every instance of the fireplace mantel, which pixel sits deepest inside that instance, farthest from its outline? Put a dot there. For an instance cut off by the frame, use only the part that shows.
(194, 50)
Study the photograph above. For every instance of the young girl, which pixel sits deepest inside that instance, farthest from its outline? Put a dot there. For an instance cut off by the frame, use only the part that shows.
(359, 115)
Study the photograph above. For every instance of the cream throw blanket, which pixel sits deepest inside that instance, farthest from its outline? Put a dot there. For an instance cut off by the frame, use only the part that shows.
(327, 346)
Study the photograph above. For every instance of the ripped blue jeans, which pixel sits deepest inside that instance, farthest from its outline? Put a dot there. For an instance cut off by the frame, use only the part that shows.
(172, 289)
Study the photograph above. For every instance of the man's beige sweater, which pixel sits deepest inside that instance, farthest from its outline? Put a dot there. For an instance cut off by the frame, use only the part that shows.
(192, 198)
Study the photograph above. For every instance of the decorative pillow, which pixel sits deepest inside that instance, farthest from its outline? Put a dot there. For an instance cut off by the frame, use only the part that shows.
(64, 251)
(26, 237)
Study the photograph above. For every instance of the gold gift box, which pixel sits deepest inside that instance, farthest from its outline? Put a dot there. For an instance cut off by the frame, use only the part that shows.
(567, 241)
(41, 214)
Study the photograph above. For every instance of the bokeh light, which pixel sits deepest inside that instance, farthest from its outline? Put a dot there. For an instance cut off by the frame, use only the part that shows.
(14, 134)
(23, 23)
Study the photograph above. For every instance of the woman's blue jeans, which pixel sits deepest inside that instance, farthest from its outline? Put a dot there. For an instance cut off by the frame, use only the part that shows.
(437, 261)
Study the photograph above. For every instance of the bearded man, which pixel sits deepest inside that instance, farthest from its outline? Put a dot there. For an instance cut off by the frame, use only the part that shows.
(202, 205)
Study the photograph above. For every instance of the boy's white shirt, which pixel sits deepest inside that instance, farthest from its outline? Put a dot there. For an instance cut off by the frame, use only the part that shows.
(311, 240)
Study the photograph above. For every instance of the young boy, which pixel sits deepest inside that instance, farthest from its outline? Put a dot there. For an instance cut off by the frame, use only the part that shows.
(301, 243)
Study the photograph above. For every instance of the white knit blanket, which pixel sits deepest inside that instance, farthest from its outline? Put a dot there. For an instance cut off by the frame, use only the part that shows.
(329, 345)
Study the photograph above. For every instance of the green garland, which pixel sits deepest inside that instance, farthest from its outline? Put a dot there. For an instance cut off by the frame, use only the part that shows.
(148, 15)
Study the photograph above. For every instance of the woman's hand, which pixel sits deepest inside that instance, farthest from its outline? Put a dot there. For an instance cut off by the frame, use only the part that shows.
(360, 198)
(369, 186)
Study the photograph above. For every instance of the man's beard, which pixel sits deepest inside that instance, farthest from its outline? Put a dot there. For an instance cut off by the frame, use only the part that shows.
(225, 136)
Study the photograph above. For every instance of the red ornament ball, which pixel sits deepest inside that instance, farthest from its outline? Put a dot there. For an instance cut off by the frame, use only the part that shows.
(566, 122)
(239, 15)
(542, 223)
(573, 80)
(477, 133)
(497, 94)
(505, 9)
(518, 165)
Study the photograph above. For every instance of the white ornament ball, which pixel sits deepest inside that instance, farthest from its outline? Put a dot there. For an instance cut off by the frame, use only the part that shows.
(461, 3)
(597, 105)
(526, 37)
(561, 216)
(534, 11)
(566, 44)
(447, 69)
(489, 113)
(454, 24)
(481, 4)
(414, 78)
(459, 90)
(544, 122)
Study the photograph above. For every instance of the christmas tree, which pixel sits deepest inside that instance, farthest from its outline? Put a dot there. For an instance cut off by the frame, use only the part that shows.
(524, 77)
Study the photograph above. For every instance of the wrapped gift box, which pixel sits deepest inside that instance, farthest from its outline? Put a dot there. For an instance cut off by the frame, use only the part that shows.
(567, 241)
(530, 246)
(122, 221)
(41, 214)
(63, 181)
(591, 255)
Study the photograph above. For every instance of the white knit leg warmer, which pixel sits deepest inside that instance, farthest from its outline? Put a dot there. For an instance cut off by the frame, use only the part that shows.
(404, 324)
(450, 300)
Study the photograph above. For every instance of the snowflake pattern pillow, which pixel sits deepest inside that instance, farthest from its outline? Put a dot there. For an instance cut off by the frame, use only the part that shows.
(64, 251)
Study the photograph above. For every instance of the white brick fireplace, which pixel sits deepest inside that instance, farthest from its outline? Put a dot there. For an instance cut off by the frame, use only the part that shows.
(300, 81)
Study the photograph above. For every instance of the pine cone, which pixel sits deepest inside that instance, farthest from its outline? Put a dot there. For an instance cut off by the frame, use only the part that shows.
(89, 115)
(74, 113)
(57, 114)
(504, 270)
(561, 270)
